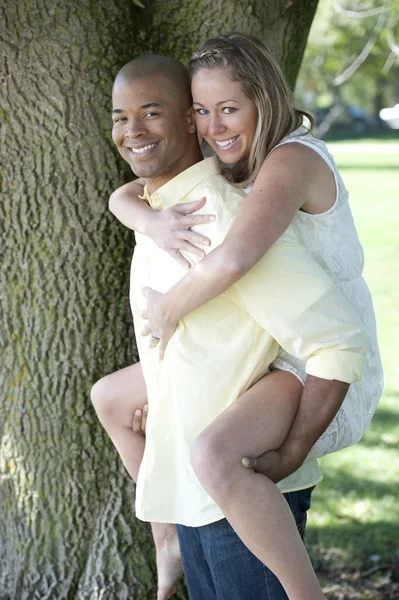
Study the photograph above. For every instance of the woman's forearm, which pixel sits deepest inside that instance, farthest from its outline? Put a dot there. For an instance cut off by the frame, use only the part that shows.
(209, 278)
(263, 217)
(131, 210)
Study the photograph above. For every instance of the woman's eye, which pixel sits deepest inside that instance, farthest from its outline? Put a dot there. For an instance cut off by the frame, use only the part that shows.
(119, 119)
(228, 110)
(201, 111)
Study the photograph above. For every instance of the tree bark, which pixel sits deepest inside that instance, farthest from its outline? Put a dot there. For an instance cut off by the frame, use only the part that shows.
(67, 526)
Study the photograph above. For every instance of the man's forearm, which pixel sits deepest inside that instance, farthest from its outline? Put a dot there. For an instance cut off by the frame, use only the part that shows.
(320, 402)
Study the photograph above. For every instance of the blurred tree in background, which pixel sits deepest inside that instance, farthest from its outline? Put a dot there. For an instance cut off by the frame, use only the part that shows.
(352, 55)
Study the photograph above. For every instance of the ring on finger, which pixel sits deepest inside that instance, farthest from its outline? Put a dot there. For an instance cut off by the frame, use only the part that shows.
(154, 341)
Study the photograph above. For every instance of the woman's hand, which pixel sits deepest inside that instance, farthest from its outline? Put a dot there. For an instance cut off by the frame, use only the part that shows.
(171, 230)
(159, 325)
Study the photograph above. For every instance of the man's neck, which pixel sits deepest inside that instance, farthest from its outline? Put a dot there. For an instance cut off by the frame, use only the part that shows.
(154, 183)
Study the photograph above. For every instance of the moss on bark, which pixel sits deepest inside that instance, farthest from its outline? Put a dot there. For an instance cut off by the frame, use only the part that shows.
(66, 505)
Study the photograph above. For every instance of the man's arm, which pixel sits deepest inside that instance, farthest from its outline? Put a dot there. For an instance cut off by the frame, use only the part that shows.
(294, 300)
(320, 402)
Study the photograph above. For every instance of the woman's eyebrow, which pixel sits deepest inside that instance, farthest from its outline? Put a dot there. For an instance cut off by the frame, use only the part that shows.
(217, 103)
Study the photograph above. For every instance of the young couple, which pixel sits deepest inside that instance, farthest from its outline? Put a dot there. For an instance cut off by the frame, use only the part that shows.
(263, 336)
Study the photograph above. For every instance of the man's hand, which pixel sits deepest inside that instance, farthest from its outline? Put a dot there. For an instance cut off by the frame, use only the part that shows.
(275, 464)
(320, 402)
(140, 420)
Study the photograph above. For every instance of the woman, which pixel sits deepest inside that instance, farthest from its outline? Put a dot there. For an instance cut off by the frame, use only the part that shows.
(245, 113)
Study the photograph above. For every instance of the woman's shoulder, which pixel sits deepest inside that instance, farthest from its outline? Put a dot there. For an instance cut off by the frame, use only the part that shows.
(311, 172)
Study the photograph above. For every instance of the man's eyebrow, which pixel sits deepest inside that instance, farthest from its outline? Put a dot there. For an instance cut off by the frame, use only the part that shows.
(143, 106)
(151, 105)
(217, 103)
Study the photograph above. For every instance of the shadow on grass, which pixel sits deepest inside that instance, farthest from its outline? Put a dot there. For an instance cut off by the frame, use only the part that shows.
(385, 422)
(357, 167)
(351, 544)
(383, 431)
(340, 483)
(350, 136)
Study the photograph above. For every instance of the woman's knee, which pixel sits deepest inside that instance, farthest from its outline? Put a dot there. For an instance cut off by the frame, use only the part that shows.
(103, 398)
(214, 462)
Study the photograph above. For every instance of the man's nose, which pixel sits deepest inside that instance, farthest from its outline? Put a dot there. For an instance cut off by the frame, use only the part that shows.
(135, 128)
(216, 125)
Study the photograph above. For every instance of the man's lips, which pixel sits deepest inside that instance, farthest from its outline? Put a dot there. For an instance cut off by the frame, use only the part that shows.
(141, 150)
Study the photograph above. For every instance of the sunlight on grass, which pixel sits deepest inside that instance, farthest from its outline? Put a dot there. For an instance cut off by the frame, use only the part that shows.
(354, 521)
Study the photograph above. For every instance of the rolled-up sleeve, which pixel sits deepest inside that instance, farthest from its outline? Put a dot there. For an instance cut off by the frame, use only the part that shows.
(293, 299)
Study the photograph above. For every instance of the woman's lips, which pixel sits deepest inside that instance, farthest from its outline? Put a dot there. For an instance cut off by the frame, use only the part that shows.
(226, 144)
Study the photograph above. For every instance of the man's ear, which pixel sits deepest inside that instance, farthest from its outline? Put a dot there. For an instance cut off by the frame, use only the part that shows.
(192, 125)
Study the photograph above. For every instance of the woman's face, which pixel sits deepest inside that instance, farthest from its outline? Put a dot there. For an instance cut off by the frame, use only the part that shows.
(226, 117)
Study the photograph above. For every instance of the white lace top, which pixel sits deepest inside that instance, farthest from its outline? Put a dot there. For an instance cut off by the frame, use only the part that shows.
(332, 241)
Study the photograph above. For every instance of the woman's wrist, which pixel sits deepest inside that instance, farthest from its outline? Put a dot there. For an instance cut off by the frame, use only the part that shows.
(150, 223)
(168, 310)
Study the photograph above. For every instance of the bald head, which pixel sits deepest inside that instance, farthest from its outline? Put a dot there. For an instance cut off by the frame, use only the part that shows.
(151, 65)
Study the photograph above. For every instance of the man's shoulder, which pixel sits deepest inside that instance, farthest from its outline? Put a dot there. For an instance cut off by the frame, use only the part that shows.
(219, 191)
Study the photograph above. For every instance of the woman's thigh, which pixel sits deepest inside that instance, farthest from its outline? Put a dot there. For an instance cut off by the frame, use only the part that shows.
(260, 419)
(119, 394)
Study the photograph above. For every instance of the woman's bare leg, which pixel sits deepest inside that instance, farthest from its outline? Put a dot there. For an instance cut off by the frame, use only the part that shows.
(116, 398)
(258, 421)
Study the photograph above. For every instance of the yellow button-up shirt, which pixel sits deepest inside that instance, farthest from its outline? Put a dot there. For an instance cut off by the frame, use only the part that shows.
(219, 350)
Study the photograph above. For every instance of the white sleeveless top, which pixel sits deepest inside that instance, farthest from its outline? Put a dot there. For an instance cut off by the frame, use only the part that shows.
(332, 241)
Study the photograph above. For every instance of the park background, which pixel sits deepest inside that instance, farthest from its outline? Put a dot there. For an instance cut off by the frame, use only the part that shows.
(353, 528)
(67, 527)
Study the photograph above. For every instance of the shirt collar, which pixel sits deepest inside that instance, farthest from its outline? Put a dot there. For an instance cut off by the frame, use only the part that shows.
(178, 187)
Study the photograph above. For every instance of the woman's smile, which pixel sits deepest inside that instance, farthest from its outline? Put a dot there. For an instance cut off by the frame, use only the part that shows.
(226, 144)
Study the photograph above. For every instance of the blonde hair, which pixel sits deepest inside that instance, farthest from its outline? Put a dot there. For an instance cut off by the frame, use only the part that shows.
(246, 60)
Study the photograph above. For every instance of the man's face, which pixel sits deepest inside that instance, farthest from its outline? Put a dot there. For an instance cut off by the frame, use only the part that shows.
(151, 126)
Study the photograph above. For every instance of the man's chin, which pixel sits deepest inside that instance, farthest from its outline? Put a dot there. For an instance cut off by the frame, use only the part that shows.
(144, 170)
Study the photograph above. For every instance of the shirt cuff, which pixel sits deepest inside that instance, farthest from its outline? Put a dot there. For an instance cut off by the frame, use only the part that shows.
(341, 366)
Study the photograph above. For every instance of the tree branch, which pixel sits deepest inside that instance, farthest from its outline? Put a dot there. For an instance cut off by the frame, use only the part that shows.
(366, 50)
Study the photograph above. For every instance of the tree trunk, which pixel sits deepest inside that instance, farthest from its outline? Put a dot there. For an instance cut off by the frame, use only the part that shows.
(67, 526)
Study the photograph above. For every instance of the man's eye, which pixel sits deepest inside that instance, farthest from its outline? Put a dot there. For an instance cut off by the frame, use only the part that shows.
(151, 114)
(201, 111)
(228, 110)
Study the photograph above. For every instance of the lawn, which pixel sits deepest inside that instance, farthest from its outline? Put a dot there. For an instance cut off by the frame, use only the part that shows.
(353, 532)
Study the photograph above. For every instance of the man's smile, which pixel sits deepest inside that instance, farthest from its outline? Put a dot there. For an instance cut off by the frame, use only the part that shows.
(141, 150)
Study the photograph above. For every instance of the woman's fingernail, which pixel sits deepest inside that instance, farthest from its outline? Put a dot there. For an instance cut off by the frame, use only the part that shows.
(211, 217)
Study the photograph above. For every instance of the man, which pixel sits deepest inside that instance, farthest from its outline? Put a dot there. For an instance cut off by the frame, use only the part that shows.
(154, 132)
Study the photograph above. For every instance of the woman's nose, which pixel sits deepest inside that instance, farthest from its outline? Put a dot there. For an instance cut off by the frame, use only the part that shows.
(216, 125)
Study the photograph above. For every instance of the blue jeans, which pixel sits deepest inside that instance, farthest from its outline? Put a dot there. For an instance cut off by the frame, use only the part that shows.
(218, 566)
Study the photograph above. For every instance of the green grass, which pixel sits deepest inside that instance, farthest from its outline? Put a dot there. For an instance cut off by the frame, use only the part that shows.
(354, 521)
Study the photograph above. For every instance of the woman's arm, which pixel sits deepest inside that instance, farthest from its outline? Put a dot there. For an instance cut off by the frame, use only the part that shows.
(292, 177)
(169, 229)
(126, 205)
